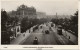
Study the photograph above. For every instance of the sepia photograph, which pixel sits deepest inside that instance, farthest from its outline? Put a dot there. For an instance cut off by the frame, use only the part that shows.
(39, 22)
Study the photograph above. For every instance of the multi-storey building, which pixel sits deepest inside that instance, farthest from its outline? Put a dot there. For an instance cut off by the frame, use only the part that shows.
(24, 11)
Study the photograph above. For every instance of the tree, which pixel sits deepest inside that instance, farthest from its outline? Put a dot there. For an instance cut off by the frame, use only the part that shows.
(74, 23)
(24, 24)
(74, 18)
(5, 37)
(4, 20)
(54, 20)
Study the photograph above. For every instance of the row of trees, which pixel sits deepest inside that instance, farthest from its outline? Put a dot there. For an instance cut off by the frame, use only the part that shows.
(6, 23)
(7, 20)
(27, 23)
(70, 25)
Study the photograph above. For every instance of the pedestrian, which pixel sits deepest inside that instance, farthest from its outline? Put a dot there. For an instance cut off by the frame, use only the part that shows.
(23, 34)
(29, 30)
(69, 37)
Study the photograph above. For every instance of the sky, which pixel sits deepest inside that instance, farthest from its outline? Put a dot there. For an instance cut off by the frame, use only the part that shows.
(50, 7)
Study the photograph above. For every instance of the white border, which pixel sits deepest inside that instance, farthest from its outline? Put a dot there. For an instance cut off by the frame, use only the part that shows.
(24, 46)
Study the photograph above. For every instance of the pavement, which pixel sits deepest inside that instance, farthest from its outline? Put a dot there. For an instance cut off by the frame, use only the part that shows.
(70, 36)
(20, 38)
(45, 39)
(64, 39)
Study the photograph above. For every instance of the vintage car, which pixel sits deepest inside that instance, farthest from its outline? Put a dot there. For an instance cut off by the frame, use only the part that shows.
(35, 41)
(46, 31)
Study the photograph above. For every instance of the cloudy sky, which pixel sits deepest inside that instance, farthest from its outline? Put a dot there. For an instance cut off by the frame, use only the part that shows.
(66, 7)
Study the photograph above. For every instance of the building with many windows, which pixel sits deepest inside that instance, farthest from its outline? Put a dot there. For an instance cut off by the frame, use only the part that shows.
(24, 11)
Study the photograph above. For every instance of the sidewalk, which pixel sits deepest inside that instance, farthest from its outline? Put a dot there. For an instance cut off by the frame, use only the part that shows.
(20, 38)
(62, 39)
(72, 37)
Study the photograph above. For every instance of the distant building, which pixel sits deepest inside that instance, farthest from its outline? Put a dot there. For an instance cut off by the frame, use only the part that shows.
(24, 11)
(41, 15)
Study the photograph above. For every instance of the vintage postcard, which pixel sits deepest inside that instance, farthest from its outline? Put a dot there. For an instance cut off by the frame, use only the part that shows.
(39, 22)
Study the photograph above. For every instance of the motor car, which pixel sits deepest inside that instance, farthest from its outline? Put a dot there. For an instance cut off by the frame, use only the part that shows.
(35, 41)
(46, 31)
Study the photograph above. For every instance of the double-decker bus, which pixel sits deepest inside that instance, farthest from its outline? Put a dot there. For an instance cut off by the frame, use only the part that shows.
(59, 30)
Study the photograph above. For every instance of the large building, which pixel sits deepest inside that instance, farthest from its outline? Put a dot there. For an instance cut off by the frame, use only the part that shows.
(24, 11)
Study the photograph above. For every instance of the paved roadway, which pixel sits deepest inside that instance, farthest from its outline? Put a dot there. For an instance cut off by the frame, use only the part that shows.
(47, 39)
(42, 38)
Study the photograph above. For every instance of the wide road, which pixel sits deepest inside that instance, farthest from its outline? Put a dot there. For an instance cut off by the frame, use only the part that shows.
(46, 39)
(42, 38)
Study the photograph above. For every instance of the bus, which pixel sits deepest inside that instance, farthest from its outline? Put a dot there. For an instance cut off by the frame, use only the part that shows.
(59, 30)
